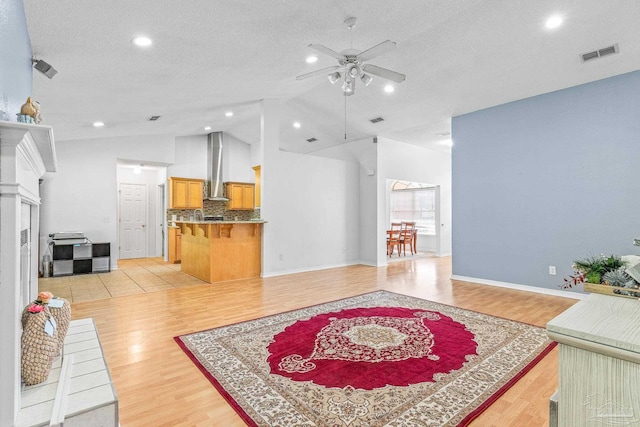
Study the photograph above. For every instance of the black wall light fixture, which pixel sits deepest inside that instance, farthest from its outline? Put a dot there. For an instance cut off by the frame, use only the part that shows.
(44, 67)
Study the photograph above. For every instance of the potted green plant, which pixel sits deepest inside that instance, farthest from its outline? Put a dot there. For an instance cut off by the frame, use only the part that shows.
(603, 274)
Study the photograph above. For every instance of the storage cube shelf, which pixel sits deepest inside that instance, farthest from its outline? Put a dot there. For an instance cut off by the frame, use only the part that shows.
(81, 258)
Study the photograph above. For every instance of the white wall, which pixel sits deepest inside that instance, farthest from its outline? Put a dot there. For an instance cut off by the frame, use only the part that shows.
(191, 159)
(236, 157)
(324, 211)
(313, 215)
(83, 194)
(392, 160)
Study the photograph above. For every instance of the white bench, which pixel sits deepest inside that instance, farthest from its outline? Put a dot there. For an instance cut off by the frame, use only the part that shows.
(79, 390)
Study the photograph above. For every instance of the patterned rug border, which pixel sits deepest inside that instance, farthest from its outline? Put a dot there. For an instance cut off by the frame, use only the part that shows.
(465, 422)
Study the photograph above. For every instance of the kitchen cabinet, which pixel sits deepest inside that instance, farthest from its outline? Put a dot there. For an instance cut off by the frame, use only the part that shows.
(241, 196)
(185, 193)
(258, 196)
(222, 250)
(175, 245)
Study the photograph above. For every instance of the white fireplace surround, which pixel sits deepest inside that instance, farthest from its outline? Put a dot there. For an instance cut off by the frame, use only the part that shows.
(26, 152)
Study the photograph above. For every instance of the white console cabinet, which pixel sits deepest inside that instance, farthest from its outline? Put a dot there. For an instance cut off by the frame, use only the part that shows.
(599, 362)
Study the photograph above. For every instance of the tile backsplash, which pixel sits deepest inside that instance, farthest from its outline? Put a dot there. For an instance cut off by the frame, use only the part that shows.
(216, 208)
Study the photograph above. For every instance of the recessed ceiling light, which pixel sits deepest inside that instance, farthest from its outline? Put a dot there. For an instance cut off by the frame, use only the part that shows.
(553, 22)
(296, 125)
(142, 41)
(311, 59)
(207, 128)
(229, 113)
(98, 124)
(389, 88)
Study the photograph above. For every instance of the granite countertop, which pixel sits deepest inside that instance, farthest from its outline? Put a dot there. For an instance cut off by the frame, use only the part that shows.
(253, 221)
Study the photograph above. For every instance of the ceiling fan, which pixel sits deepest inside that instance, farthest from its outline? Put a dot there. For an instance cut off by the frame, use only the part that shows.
(352, 64)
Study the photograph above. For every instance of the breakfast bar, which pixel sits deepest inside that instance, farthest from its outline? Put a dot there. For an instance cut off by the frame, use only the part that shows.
(216, 251)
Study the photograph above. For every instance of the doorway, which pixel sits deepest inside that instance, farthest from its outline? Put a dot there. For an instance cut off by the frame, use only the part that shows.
(420, 203)
(132, 221)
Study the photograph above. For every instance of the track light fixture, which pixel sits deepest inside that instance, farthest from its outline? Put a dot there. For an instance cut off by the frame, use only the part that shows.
(44, 67)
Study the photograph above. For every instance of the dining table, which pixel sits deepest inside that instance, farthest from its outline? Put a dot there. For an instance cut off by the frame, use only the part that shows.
(414, 240)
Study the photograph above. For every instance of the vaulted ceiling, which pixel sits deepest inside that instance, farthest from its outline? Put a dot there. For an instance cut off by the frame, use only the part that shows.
(213, 56)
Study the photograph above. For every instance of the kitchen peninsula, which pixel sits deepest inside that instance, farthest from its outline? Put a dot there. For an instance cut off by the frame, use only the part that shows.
(216, 251)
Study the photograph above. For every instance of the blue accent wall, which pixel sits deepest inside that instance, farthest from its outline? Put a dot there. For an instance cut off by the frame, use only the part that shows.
(16, 73)
(547, 180)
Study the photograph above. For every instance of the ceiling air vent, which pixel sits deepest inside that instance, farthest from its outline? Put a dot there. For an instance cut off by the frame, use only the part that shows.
(311, 140)
(599, 53)
(153, 118)
(376, 120)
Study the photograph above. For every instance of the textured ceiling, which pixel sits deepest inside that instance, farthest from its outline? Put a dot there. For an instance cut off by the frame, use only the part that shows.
(211, 56)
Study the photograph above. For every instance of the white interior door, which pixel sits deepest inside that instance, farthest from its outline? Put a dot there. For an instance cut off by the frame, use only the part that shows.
(133, 221)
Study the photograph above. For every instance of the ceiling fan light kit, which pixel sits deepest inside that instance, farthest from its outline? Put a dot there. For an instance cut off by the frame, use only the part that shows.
(348, 87)
(366, 79)
(353, 61)
(352, 64)
(334, 77)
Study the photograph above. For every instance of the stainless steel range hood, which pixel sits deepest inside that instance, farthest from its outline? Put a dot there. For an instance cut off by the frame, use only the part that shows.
(214, 166)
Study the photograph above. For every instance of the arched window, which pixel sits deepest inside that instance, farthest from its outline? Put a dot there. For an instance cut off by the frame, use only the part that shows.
(413, 201)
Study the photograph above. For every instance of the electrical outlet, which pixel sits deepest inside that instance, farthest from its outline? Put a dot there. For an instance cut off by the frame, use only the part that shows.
(281, 257)
(552, 270)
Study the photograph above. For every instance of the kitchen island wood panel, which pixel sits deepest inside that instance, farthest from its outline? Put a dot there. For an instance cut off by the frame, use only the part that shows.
(220, 251)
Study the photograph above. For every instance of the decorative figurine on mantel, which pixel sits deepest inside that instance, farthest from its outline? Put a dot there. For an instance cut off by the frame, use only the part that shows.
(30, 112)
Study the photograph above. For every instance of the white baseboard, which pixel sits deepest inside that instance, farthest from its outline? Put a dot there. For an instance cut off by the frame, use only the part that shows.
(557, 293)
(307, 269)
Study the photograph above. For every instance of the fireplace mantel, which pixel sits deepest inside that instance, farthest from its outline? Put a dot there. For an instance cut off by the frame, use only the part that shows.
(27, 151)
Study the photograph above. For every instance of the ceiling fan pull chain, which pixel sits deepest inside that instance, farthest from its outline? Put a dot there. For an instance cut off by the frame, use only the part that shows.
(345, 118)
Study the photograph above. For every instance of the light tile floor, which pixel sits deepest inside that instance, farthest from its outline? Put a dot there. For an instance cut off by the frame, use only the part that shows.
(133, 276)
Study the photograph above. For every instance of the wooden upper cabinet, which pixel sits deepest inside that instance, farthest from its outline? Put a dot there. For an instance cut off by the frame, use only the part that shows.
(195, 194)
(185, 193)
(258, 196)
(241, 196)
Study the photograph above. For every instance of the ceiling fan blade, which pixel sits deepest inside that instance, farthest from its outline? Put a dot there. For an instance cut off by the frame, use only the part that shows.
(377, 50)
(324, 71)
(327, 51)
(384, 73)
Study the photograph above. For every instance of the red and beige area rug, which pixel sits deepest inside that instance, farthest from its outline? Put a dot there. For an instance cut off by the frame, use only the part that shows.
(379, 359)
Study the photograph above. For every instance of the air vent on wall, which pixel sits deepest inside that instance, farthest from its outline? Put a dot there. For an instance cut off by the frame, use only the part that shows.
(599, 53)
(153, 118)
(376, 120)
(311, 140)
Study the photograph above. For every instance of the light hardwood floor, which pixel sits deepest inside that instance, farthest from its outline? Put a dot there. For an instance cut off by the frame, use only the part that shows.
(157, 385)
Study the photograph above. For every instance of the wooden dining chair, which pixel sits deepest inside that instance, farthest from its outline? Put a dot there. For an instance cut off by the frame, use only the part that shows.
(408, 231)
(393, 241)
